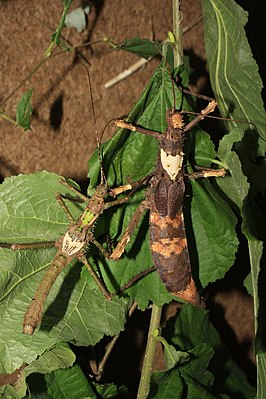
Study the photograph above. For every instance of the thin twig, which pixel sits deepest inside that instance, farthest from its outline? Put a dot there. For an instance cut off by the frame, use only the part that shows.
(49, 50)
(111, 345)
(145, 378)
(32, 72)
(47, 54)
(127, 72)
(178, 33)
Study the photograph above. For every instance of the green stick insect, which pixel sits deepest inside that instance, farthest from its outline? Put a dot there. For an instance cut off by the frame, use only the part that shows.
(75, 240)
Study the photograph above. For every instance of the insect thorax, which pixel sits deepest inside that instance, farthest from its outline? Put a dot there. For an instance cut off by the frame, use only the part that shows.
(73, 242)
(171, 153)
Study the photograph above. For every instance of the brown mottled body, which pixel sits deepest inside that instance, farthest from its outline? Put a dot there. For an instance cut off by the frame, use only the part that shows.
(165, 199)
(169, 243)
(34, 312)
(167, 231)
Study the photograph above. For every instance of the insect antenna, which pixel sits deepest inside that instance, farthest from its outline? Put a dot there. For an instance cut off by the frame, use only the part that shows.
(98, 137)
(203, 97)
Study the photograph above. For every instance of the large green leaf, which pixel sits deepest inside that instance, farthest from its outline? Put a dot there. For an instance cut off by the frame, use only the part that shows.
(237, 87)
(69, 383)
(214, 228)
(233, 71)
(72, 383)
(189, 378)
(73, 312)
(142, 47)
(191, 328)
(135, 155)
(60, 356)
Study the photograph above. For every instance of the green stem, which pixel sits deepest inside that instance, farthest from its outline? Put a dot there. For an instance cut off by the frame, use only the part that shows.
(47, 54)
(32, 72)
(166, 348)
(145, 378)
(48, 51)
(219, 163)
(178, 33)
(8, 118)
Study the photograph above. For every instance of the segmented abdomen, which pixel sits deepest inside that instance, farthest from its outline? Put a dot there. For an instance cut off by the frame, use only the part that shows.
(170, 255)
(34, 312)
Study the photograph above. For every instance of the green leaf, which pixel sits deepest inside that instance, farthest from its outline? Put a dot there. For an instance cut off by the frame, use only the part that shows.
(61, 356)
(142, 47)
(204, 151)
(24, 110)
(258, 283)
(147, 49)
(191, 328)
(173, 357)
(237, 188)
(69, 383)
(261, 364)
(168, 384)
(189, 379)
(9, 392)
(214, 228)
(235, 185)
(233, 71)
(237, 87)
(29, 212)
(110, 391)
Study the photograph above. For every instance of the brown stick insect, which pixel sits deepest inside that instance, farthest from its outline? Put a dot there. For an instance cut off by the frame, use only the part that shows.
(164, 199)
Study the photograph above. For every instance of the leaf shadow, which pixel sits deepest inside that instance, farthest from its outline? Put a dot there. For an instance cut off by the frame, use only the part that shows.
(57, 309)
(57, 112)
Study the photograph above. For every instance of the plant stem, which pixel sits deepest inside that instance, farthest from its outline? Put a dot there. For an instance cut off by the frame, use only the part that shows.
(178, 32)
(32, 72)
(47, 55)
(8, 118)
(145, 378)
(48, 51)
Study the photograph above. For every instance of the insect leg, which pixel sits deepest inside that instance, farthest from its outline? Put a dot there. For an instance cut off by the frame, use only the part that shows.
(59, 198)
(74, 190)
(210, 108)
(124, 240)
(96, 278)
(30, 245)
(207, 172)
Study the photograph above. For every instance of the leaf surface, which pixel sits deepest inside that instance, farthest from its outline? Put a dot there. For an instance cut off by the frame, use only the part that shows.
(73, 312)
(24, 110)
(237, 87)
(69, 383)
(233, 71)
(192, 328)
